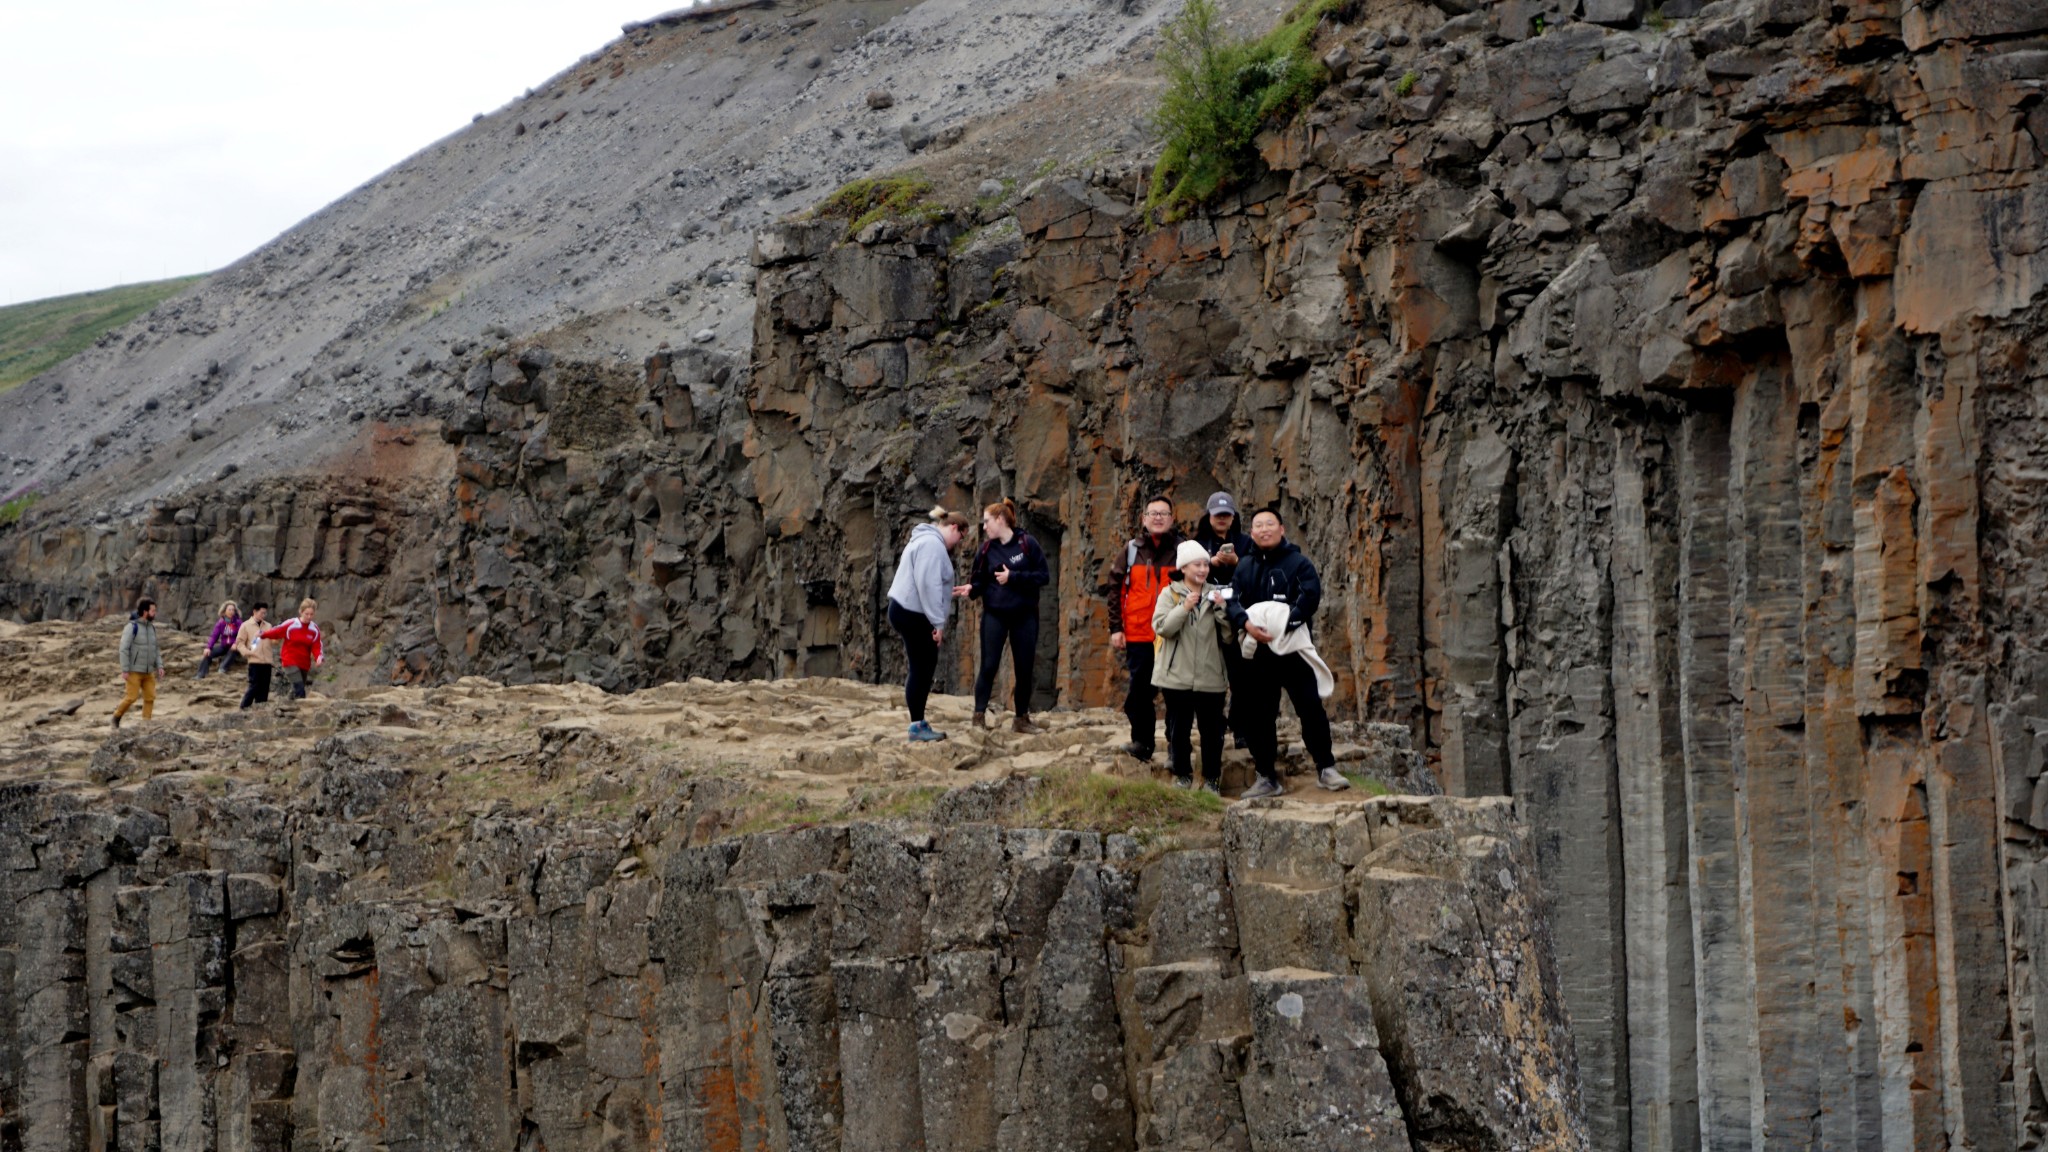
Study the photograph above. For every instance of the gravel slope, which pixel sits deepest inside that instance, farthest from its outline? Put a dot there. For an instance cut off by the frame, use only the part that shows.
(610, 210)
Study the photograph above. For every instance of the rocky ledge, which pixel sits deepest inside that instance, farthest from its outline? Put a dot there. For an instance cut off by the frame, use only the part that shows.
(198, 962)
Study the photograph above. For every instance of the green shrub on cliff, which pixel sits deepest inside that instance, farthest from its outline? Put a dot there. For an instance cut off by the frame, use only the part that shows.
(1220, 91)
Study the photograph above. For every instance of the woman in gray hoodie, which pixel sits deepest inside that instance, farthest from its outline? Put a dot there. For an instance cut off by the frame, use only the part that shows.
(920, 599)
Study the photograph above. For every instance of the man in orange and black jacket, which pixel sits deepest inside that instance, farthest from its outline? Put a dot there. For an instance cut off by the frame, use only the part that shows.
(1141, 568)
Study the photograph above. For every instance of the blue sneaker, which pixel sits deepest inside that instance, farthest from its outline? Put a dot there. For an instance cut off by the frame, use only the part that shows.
(923, 733)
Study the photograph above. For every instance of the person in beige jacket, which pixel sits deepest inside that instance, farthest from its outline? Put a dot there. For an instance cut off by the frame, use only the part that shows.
(1188, 668)
(259, 654)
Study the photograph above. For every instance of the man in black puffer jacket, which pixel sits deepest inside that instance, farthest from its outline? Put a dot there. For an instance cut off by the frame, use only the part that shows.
(1276, 571)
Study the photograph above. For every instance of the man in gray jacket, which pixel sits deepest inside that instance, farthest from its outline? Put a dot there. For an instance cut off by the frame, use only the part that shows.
(141, 660)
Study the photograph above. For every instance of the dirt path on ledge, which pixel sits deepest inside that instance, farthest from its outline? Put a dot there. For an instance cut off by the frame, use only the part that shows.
(820, 747)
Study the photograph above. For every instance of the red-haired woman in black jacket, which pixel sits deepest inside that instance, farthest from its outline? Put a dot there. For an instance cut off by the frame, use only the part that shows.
(1009, 569)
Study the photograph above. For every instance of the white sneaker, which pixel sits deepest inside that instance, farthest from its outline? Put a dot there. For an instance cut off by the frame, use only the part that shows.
(1264, 786)
(1331, 780)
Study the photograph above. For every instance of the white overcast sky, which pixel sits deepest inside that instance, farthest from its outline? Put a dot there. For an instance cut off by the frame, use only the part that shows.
(141, 139)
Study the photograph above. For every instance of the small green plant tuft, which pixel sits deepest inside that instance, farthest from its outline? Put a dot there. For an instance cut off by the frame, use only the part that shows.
(873, 198)
(1406, 83)
(912, 803)
(1656, 21)
(1100, 803)
(15, 507)
(1368, 786)
(1220, 91)
(775, 813)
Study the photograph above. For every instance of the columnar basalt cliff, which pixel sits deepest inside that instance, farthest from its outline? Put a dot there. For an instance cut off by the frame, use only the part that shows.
(330, 966)
(1665, 407)
(1661, 392)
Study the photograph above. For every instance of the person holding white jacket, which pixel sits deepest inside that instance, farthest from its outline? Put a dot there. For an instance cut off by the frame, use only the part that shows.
(920, 601)
(1277, 573)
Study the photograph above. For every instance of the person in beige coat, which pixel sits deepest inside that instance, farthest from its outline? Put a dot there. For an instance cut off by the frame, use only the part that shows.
(259, 654)
(1189, 669)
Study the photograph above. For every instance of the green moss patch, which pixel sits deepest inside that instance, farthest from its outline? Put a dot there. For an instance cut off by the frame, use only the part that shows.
(873, 198)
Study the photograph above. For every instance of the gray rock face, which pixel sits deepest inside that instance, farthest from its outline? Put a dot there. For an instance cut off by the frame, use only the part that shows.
(869, 988)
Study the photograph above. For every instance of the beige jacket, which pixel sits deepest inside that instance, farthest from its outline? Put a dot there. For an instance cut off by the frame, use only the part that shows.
(1191, 634)
(249, 642)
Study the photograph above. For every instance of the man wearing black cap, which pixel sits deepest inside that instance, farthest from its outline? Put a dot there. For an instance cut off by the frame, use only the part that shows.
(1220, 530)
(1226, 544)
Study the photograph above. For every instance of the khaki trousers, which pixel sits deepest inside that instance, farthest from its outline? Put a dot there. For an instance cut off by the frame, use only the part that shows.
(142, 684)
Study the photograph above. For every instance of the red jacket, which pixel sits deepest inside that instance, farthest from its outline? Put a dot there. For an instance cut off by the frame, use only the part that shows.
(301, 644)
(1140, 570)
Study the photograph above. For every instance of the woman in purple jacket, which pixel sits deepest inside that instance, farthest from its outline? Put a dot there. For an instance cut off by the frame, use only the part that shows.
(221, 645)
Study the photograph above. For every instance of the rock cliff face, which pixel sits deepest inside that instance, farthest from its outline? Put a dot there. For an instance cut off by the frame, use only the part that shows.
(185, 966)
(1660, 392)
(1665, 405)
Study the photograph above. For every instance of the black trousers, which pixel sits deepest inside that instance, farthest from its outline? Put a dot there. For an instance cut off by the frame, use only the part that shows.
(1019, 627)
(1138, 697)
(259, 685)
(923, 652)
(1185, 711)
(1258, 708)
(297, 678)
(1234, 665)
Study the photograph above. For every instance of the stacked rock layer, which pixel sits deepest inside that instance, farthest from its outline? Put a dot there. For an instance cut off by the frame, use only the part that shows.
(187, 967)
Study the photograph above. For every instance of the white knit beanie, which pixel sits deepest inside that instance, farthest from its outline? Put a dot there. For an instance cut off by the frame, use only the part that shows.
(1189, 550)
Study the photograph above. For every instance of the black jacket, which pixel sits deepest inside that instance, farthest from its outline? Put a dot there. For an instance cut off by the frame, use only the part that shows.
(1206, 536)
(1280, 574)
(1028, 573)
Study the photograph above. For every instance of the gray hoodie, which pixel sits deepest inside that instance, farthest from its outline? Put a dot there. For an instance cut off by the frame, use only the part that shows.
(924, 575)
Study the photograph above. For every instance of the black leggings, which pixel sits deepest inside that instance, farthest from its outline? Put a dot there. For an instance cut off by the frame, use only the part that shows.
(923, 651)
(1185, 710)
(1020, 627)
(259, 685)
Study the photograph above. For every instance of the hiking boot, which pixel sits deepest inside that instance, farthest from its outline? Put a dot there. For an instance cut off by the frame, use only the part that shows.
(1183, 782)
(923, 733)
(1137, 751)
(117, 719)
(1264, 786)
(981, 719)
(1023, 726)
(1331, 780)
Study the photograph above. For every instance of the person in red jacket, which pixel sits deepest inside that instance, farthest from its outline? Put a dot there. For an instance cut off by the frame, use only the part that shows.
(300, 652)
(1142, 567)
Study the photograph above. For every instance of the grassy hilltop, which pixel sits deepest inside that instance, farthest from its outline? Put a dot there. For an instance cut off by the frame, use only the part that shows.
(37, 336)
